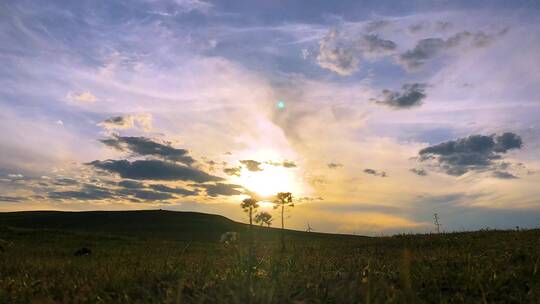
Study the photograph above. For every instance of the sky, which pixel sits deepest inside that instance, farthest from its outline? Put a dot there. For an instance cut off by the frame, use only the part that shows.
(374, 114)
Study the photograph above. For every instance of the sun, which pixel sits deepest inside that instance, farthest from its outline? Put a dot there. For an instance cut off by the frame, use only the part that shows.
(270, 181)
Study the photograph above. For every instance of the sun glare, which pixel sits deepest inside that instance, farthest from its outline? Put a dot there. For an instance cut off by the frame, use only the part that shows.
(270, 181)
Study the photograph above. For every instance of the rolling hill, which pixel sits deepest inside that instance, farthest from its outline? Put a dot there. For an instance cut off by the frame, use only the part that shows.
(158, 224)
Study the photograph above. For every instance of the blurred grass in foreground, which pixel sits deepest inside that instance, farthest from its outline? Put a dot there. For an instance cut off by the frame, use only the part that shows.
(38, 266)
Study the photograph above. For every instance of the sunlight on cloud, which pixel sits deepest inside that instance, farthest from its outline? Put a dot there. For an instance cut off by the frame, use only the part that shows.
(83, 97)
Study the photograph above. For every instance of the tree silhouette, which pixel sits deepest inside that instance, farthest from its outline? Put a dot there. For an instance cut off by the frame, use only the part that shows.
(263, 218)
(250, 206)
(282, 200)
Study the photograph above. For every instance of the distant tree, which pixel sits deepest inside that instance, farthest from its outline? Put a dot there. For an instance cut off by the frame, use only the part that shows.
(263, 218)
(250, 206)
(283, 199)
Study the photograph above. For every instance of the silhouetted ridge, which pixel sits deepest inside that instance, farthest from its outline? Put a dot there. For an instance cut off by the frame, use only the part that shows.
(158, 224)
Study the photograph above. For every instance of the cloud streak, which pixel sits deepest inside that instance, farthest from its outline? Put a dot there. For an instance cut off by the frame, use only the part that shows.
(429, 48)
(154, 170)
(146, 147)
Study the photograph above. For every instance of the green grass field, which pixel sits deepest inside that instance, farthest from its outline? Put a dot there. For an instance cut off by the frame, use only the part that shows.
(173, 257)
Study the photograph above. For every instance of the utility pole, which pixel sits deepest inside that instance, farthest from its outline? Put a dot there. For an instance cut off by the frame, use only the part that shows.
(436, 222)
(309, 229)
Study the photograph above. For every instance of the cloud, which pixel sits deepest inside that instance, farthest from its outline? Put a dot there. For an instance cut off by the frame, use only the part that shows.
(429, 48)
(146, 147)
(11, 199)
(131, 184)
(305, 54)
(87, 192)
(341, 53)
(375, 172)
(373, 46)
(221, 189)
(154, 170)
(284, 164)
(180, 191)
(473, 153)
(82, 97)
(65, 181)
(335, 56)
(334, 165)
(232, 171)
(438, 26)
(504, 175)
(175, 7)
(16, 176)
(411, 95)
(376, 25)
(90, 192)
(419, 172)
(141, 121)
(507, 141)
(417, 27)
(251, 165)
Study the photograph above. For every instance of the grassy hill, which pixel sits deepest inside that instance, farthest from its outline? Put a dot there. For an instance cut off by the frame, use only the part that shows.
(174, 257)
(156, 224)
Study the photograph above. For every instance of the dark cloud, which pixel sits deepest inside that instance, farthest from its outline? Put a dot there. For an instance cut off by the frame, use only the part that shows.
(131, 184)
(64, 182)
(429, 48)
(132, 191)
(221, 189)
(425, 49)
(419, 172)
(251, 165)
(115, 121)
(11, 199)
(87, 192)
(507, 141)
(154, 170)
(180, 191)
(232, 171)
(142, 121)
(504, 175)
(146, 147)
(284, 164)
(375, 172)
(334, 165)
(473, 153)
(374, 45)
(411, 95)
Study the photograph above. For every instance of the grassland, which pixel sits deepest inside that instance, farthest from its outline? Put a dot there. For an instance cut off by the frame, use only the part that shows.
(180, 261)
